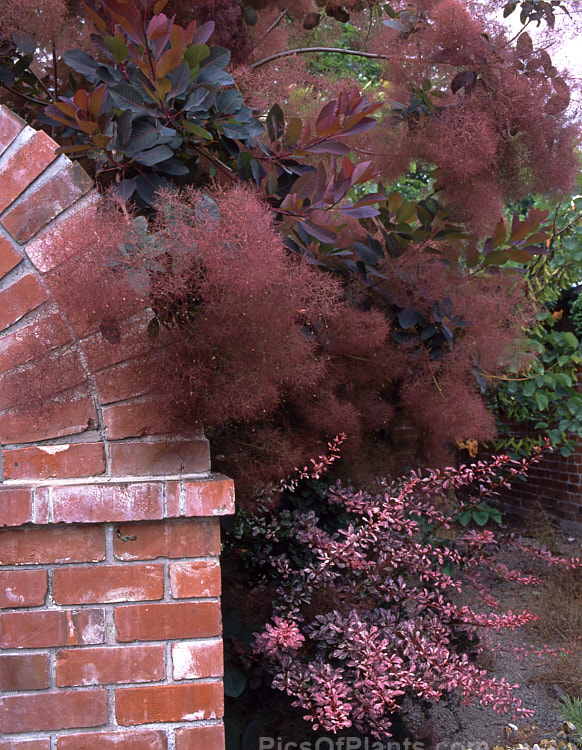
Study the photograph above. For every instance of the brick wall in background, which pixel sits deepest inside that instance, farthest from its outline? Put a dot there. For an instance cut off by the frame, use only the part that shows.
(555, 486)
(110, 628)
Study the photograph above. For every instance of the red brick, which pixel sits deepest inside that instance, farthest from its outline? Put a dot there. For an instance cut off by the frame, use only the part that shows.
(15, 506)
(50, 627)
(24, 295)
(32, 341)
(58, 243)
(58, 419)
(47, 461)
(167, 621)
(9, 257)
(22, 588)
(52, 198)
(194, 738)
(209, 497)
(108, 583)
(134, 342)
(106, 665)
(26, 744)
(173, 539)
(175, 497)
(125, 380)
(44, 546)
(24, 166)
(44, 378)
(194, 659)
(135, 419)
(161, 457)
(123, 740)
(10, 127)
(65, 709)
(195, 578)
(41, 505)
(96, 503)
(24, 672)
(190, 702)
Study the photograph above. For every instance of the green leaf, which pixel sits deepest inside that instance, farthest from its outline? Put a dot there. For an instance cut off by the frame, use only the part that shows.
(480, 517)
(520, 256)
(529, 388)
(570, 339)
(465, 517)
(234, 683)
(499, 235)
(294, 130)
(407, 212)
(394, 202)
(197, 130)
(541, 400)
(116, 47)
(495, 514)
(496, 258)
(194, 55)
(275, 122)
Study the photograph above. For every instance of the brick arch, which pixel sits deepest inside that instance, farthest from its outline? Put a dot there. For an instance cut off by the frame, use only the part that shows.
(109, 568)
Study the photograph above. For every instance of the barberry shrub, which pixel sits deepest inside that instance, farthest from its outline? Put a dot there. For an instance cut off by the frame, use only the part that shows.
(367, 605)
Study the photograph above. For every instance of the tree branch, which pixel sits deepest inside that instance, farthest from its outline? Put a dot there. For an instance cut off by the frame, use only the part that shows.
(305, 50)
(21, 95)
(274, 25)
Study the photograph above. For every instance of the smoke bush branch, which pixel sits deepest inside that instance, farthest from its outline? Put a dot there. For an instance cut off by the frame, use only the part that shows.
(307, 50)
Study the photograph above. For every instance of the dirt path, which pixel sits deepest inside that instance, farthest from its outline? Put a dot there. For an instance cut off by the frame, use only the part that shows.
(450, 725)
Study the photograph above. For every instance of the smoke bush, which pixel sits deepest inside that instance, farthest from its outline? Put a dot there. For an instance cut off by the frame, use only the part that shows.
(242, 335)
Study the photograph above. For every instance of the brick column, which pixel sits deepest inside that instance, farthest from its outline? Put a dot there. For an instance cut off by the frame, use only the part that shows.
(110, 627)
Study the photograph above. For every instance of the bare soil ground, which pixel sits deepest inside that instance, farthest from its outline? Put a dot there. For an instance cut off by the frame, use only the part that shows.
(542, 680)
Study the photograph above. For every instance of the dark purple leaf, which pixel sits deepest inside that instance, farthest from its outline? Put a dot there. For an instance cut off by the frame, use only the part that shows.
(408, 317)
(359, 212)
(365, 124)
(203, 34)
(464, 79)
(328, 147)
(321, 234)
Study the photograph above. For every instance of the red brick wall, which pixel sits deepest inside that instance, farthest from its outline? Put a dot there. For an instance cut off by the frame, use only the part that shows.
(555, 484)
(110, 628)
